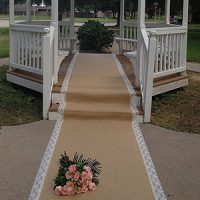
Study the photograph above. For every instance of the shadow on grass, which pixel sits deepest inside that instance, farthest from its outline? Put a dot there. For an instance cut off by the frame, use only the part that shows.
(18, 105)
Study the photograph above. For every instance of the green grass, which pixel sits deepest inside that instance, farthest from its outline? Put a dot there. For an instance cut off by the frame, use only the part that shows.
(17, 104)
(4, 42)
(179, 109)
(193, 54)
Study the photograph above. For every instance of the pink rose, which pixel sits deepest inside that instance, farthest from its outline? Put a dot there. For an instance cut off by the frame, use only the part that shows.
(84, 175)
(89, 175)
(86, 183)
(80, 180)
(69, 175)
(76, 176)
(65, 191)
(70, 186)
(92, 186)
(87, 168)
(58, 190)
(72, 168)
(84, 189)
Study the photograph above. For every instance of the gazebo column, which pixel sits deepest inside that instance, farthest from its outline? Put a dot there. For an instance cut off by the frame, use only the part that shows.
(121, 25)
(11, 11)
(28, 10)
(140, 26)
(167, 11)
(185, 25)
(71, 25)
(185, 12)
(54, 19)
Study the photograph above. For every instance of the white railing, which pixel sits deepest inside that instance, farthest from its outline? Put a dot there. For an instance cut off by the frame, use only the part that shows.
(33, 51)
(128, 37)
(170, 51)
(130, 30)
(26, 52)
(66, 39)
(147, 55)
(48, 67)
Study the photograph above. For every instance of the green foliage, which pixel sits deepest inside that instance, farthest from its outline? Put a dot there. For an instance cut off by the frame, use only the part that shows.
(80, 162)
(94, 36)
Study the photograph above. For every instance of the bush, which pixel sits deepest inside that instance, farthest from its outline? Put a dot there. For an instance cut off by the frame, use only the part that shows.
(94, 36)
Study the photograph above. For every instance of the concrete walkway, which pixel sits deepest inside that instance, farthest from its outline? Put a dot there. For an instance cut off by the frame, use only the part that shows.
(175, 156)
(21, 151)
(4, 61)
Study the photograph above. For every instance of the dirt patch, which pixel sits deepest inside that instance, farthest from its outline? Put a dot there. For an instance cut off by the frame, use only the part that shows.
(179, 109)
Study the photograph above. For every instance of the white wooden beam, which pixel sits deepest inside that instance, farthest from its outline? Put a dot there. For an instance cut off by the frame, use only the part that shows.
(121, 18)
(54, 19)
(141, 13)
(28, 10)
(11, 11)
(185, 12)
(167, 11)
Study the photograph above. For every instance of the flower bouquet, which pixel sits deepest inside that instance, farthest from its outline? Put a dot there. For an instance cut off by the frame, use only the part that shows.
(76, 176)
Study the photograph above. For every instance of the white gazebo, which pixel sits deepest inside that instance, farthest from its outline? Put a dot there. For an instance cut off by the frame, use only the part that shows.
(156, 50)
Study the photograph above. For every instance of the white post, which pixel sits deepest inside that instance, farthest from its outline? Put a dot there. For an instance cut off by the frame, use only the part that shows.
(71, 25)
(121, 25)
(167, 11)
(185, 12)
(11, 11)
(140, 26)
(28, 10)
(149, 76)
(46, 63)
(185, 24)
(54, 19)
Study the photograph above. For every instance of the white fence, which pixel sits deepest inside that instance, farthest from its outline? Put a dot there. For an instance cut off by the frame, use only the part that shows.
(48, 67)
(170, 51)
(26, 47)
(66, 39)
(147, 54)
(128, 37)
(32, 50)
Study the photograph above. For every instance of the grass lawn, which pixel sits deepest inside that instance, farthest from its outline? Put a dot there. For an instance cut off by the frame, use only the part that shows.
(17, 104)
(194, 43)
(179, 110)
(4, 42)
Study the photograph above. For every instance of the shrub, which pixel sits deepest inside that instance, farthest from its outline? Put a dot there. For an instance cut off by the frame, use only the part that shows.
(94, 36)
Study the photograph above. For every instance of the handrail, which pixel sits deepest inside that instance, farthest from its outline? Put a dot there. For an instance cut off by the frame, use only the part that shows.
(28, 28)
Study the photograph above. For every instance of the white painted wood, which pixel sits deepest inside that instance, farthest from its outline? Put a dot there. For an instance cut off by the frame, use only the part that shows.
(54, 23)
(28, 10)
(58, 98)
(11, 11)
(24, 82)
(167, 11)
(185, 13)
(169, 86)
(48, 68)
(149, 77)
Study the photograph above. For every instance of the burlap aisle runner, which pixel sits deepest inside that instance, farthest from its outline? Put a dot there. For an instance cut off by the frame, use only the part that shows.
(97, 124)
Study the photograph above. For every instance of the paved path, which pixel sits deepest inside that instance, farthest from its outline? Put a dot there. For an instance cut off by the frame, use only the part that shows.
(195, 67)
(4, 61)
(176, 158)
(21, 151)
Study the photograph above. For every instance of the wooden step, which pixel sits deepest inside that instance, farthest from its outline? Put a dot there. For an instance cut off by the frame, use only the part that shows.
(56, 89)
(27, 75)
(140, 110)
(54, 108)
(169, 79)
